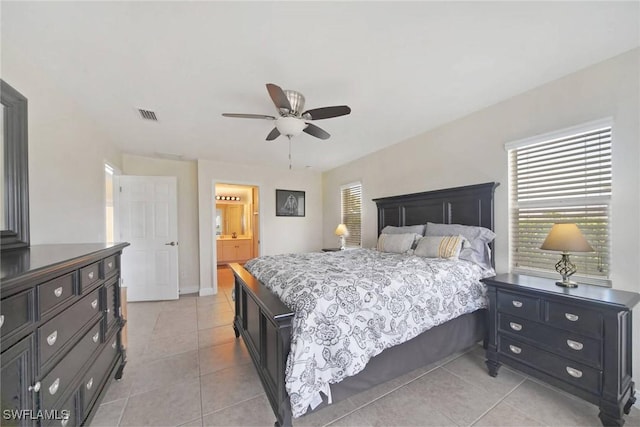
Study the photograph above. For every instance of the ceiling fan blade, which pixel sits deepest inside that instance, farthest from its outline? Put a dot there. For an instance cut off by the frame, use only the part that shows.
(273, 134)
(327, 112)
(314, 130)
(278, 97)
(248, 116)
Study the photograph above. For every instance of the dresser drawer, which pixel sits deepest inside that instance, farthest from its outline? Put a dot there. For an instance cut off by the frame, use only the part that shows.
(519, 305)
(567, 344)
(566, 370)
(89, 276)
(574, 318)
(110, 266)
(56, 332)
(16, 312)
(97, 374)
(55, 292)
(66, 413)
(57, 381)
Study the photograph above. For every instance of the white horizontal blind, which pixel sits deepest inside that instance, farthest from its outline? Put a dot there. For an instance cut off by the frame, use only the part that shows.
(565, 179)
(352, 212)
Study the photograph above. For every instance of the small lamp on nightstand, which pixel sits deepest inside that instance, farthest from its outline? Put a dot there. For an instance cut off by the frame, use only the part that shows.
(342, 232)
(566, 238)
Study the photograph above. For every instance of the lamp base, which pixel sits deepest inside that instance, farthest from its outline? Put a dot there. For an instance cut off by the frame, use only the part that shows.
(567, 284)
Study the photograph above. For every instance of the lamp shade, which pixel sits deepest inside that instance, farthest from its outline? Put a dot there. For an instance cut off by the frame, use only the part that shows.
(342, 230)
(566, 238)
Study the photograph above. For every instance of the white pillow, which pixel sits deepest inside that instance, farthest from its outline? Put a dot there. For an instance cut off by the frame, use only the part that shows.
(440, 247)
(396, 243)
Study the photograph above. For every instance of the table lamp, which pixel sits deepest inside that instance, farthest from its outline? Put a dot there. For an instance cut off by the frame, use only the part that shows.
(342, 232)
(566, 238)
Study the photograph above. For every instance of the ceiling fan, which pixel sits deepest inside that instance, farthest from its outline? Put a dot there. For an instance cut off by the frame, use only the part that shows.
(292, 120)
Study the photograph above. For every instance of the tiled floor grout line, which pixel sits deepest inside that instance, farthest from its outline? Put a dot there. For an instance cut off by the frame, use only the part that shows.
(499, 401)
(199, 369)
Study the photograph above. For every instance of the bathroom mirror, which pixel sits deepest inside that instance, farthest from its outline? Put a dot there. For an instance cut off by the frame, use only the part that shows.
(230, 219)
(14, 224)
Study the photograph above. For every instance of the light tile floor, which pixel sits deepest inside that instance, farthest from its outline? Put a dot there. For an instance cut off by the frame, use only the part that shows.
(186, 368)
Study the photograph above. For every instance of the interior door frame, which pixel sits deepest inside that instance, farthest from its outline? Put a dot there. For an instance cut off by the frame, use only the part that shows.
(212, 219)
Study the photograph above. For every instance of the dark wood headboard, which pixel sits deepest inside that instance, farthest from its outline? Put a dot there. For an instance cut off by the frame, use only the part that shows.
(468, 205)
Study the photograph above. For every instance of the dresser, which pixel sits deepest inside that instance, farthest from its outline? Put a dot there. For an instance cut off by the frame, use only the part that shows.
(578, 339)
(60, 326)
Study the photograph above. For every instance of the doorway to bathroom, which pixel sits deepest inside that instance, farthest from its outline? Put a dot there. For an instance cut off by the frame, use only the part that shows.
(237, 223)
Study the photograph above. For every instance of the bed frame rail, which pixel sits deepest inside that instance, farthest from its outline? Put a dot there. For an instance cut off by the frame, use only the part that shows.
(264, 323)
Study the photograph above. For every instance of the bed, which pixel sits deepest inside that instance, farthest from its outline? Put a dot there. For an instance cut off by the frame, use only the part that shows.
(265, 322)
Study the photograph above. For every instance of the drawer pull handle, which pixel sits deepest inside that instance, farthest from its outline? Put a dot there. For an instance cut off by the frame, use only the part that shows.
(574, 372)
(90, 275)
(1, 320)
(571, 317)
(113, 345)
(96, 336)
(94, 303)
(107, 311)
(58, 292)
(35, 387)
(90, 384)
(110, 264)
(51, 339)
(575, 345)
(514, 349)
(515, 326)
(53, 388)
(517, 304)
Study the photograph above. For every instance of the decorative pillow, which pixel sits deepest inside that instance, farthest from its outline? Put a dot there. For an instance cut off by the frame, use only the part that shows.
(417, 229)
(477, 250)
(396, 243)
(439, 246)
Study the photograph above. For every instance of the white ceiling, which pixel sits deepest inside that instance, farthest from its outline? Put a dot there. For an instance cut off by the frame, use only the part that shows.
(403, 67)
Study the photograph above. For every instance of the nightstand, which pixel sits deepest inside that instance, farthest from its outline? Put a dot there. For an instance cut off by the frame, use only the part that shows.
(578, 340)
(331, 249)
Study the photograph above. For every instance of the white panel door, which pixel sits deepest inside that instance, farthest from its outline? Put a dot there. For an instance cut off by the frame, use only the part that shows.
(148, 219)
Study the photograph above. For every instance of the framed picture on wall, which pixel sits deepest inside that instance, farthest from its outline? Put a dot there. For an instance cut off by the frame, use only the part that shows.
(289, 203)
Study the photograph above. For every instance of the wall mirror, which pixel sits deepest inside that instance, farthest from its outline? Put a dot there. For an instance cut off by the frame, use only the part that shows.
(230, 219)
(14, 200)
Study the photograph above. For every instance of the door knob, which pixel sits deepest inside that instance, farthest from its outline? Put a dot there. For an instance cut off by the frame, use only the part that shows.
(172, 244)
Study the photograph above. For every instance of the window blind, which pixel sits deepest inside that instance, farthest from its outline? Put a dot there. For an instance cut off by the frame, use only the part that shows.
(565, 179)
(352, 212)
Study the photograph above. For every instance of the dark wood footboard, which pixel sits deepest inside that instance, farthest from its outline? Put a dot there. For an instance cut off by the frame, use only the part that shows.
(264, 323)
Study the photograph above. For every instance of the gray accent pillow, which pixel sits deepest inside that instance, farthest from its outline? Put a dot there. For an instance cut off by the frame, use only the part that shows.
(477, 250)
(417, 229)
(396, 243)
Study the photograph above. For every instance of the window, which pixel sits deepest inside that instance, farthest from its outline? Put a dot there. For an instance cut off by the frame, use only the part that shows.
(352, 212)
(561, 177)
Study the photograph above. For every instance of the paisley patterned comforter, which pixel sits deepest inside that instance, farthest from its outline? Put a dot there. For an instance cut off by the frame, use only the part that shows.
(351, 305)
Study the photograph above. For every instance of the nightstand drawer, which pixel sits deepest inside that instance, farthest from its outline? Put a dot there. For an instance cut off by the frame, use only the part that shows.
(519, 305)
(564, 343)
(566, 370)
(574, 318)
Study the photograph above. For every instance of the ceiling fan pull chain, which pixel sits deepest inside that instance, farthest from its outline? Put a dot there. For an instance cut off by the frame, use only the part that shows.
(289, 136)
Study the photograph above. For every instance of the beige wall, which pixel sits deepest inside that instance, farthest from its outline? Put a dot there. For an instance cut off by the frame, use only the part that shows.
(187, 176)
(277, 234)
(66, 159)
(471, 150)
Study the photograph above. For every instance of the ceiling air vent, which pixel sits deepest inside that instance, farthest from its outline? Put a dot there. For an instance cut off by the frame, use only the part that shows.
(148, 114)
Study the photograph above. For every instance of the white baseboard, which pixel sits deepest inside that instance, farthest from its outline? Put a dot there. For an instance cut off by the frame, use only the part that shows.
(189, 290)
(206, 292)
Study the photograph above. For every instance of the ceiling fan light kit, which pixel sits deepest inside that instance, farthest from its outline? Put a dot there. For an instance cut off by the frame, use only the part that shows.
(290, 126)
